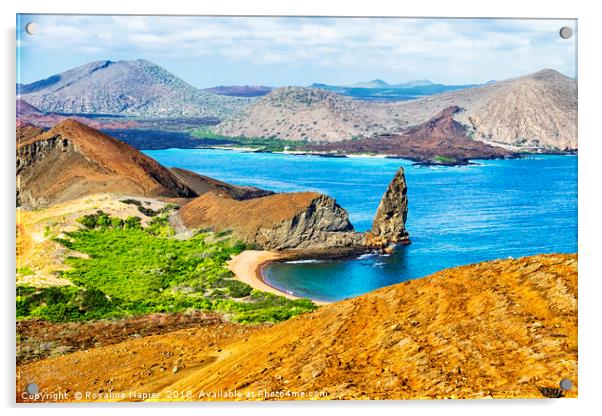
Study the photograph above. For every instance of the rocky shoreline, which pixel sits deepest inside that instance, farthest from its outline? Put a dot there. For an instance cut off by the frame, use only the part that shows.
(418, 161)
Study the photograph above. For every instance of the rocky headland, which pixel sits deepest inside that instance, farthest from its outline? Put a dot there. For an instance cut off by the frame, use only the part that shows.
(304, 221)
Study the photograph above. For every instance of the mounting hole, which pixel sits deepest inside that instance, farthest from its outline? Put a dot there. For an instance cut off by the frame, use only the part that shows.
(566, 32)
(32, 388)
(31, 28)
(566, 384)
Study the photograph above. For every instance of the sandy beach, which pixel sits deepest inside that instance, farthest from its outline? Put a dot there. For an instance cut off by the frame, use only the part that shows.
(247, 268)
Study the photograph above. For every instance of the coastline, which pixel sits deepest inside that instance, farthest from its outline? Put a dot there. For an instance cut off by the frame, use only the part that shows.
(248, 265)
(420, 160)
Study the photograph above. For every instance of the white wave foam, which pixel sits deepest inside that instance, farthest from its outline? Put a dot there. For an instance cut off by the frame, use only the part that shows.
(303, 261)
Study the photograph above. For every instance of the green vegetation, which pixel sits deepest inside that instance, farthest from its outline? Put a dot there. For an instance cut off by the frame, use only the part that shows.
(443, 159)
(130, 269)
(269, 144)
(25, 271)
(149, 212)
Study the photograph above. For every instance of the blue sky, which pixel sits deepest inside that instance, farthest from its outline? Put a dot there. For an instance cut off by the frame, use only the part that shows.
(277, 51)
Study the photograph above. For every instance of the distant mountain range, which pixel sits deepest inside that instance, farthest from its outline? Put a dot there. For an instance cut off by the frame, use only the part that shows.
(537, 111)
(240, 90)
(379, 90)
(379, 83)
(132, 88)
(533, 111)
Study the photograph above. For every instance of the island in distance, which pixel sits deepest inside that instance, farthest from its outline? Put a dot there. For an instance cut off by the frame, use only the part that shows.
(532, 113)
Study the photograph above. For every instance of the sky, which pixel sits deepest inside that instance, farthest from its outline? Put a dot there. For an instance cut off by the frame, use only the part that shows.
(277, 51)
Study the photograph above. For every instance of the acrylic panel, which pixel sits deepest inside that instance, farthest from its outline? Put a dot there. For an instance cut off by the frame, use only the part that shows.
(216, 208)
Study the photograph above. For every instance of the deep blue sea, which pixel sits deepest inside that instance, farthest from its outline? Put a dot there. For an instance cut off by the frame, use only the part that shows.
(457, 215)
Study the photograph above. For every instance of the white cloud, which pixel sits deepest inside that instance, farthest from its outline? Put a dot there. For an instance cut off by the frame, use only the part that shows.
(474, 50)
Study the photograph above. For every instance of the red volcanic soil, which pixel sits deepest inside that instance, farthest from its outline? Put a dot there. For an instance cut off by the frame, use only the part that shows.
(72, 160)
(247, 216)
(40, 339)
(440, 136)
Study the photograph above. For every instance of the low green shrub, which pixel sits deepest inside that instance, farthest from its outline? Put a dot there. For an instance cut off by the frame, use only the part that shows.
(131, 270)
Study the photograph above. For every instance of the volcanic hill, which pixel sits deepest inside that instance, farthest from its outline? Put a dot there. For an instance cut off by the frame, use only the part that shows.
(313, 114)
(499, 329)
(440, 140)
(533, 111)
(136, 88)
(73, 160)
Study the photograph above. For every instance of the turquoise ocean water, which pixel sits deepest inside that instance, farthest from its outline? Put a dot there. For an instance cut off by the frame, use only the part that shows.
(457, 215)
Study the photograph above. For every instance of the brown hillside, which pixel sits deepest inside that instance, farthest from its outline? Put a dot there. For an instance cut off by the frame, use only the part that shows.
(202, 184)
(498, 329)
(502, 329)
(224, 213)
(26, 132)
(72, 160)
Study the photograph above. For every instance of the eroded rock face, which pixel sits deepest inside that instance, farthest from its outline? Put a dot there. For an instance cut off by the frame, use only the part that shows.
(322, 225)
(388, 227)
(201, 184)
